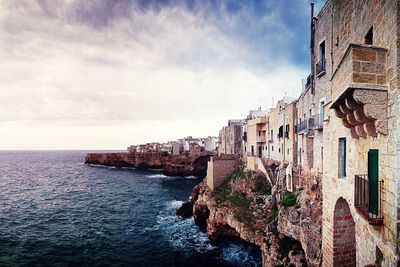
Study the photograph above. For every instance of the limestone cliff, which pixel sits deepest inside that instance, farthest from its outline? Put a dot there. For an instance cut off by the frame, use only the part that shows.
(286, 226)
(182, 165)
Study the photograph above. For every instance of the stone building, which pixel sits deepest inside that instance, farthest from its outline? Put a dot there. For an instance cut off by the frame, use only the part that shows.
(285, 130)
(354, 71)
(344, 128)
(309, 128)
(231, 138)
(272, 130)
(256, 137)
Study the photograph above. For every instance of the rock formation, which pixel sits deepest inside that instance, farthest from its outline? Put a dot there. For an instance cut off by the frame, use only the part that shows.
(185, 164)
(285, 225)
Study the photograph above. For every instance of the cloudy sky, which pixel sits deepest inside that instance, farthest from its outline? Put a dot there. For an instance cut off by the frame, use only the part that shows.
(104, 74)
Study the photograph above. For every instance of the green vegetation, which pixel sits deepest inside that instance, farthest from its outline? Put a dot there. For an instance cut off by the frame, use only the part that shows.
(236, 174)
(262, 189)
(288, 199)
(243, 216)
(273, 215)
(239, 201)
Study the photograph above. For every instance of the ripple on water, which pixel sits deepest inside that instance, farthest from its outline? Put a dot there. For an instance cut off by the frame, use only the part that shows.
(56, 211)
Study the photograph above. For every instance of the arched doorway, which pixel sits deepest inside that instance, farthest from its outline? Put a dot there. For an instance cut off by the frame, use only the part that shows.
(344, 235)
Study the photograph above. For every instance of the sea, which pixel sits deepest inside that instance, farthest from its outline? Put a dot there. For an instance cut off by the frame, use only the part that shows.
(57, 211)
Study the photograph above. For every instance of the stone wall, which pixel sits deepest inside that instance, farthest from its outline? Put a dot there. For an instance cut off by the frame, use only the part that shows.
(230, 139)
(341, 23)
(219, 168)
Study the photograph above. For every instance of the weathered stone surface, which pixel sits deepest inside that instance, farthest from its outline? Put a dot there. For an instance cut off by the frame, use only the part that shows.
(221, 212)
(182, 165)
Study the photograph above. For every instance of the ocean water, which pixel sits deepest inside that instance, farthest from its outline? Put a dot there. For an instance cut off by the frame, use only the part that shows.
(56, 211)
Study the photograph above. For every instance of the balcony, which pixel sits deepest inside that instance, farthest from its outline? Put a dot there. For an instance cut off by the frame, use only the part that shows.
(301, 127)
(261, 138)
(317, 122)
(286, 134)
(359, 91)
(308, 82)
(368, 199)
(320, 67)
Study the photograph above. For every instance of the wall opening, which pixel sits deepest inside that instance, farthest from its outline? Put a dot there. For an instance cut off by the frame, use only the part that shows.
(368, 39)
(344, 235)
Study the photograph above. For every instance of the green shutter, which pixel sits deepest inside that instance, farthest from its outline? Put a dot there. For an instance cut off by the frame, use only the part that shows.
(373, 177)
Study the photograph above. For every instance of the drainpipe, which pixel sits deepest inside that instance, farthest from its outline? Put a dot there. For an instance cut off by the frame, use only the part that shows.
(312, 31)
(268, 133)
(284, 137)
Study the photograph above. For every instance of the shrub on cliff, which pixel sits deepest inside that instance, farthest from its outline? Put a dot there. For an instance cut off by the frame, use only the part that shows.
(273, 215)
(289, 199)
(262, 189)
(236, 174)
(239, 201)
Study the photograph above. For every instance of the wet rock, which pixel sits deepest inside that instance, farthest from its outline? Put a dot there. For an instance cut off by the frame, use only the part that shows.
(186, 210)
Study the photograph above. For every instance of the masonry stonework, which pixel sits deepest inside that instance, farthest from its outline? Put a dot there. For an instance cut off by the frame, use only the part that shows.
(219, 168)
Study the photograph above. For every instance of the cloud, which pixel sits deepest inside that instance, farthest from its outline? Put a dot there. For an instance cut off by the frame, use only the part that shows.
(90, 65)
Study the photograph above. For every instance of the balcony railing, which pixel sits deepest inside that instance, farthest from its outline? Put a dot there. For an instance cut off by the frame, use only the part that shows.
(308, 82)
(286, 134)
(260, 138)
(320, 68)
(368, 199)
(317, 121)
(302, 126)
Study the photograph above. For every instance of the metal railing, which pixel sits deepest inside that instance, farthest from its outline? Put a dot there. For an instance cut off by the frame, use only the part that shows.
(308, 82)
(286, 134)
(320, 67)
(302, 126)
(260, 138)
(317, 121)
(368, 198)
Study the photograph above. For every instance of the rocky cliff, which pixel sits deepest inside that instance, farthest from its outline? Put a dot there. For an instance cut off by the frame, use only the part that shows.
(182, 165)
(285, 225)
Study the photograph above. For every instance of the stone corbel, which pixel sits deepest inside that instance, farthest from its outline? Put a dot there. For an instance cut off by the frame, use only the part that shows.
(363, 111)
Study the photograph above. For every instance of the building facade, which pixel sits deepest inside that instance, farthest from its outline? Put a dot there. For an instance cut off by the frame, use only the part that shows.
(230, 139)
(355, 64)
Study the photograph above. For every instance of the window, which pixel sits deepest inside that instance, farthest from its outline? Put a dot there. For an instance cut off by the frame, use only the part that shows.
(287, 128)
(272, 148)
(280, 133)
(288, 151)
(322, 51)
(342, 158)
(272, 135)
(320, 68)
(368, 39)
(279, 150)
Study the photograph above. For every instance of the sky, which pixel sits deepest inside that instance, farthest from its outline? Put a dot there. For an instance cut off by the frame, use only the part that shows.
(105, 74)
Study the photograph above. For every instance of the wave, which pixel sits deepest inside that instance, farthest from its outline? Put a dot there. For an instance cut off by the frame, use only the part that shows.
(158, 175)
(190, 177)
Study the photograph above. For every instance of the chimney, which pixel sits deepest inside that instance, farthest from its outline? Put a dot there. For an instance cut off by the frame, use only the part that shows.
(312, 10)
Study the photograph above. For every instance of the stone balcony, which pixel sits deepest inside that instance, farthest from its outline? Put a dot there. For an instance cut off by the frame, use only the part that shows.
(359, 90)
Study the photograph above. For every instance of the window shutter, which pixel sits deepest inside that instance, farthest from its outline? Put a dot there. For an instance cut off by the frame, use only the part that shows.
(373, 178)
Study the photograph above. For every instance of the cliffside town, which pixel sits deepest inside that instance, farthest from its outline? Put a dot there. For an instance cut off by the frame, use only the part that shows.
(184, 157)
(313, 181)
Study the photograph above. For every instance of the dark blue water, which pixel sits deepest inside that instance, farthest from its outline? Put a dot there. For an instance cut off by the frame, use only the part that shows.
(56, 211)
